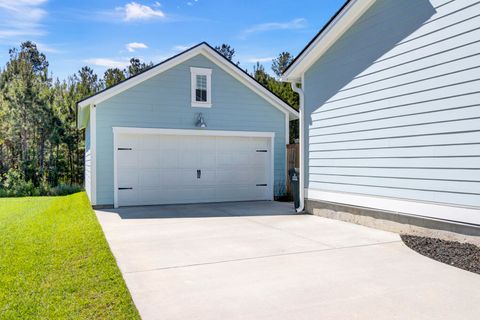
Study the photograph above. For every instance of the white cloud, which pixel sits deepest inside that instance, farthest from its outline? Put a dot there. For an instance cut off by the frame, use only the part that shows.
(264, 59)
(47, 48)
(135, 11)
(20, 18)
(131, 47)
(108, 62)
(181, 47)
(299, 23)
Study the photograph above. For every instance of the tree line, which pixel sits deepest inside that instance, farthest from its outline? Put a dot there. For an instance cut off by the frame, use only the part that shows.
(40, 145)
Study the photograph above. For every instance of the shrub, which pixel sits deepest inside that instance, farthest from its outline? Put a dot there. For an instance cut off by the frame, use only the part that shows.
(12, 184)
(64, 189)
(15, 186)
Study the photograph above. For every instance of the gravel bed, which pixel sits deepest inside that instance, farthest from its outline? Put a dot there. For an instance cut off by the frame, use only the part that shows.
(461, 255)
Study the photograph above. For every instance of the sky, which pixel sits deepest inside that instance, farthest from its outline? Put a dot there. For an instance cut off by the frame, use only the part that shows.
(107, 33)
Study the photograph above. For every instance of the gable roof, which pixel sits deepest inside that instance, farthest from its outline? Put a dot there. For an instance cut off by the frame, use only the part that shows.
(202, 48)
(348, 14)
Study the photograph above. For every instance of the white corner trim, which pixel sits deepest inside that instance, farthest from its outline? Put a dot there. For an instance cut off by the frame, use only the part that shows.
(344, 20)
(194, 72)
(211, 54)
(287, 141)
(272, 167)
(115, 165)
(400, 206)
(93, 146)
(189, 132)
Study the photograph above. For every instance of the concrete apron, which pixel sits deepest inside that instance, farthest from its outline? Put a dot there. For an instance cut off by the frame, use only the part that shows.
(257, 260)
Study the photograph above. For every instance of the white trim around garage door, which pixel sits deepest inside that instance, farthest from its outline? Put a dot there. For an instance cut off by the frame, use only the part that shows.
(190, 132)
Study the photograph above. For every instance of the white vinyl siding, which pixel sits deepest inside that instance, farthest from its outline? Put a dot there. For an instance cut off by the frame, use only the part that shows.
(393, 108)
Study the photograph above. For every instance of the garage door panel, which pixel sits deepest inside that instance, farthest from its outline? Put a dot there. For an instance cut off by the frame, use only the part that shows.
(207, 144)
(207, 160)
(127, 158)
(208, 178)
(259, 159)
(170, 177)
(150, 178)
(128, 140)
(128, 197)
(128, 178)
(188, 159)
(149, 158)
(169, 158)
(188, 177)
(162, 169)
(241, 159)
(224, 160)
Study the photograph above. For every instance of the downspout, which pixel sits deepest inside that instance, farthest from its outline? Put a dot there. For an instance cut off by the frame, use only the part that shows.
(301, 134)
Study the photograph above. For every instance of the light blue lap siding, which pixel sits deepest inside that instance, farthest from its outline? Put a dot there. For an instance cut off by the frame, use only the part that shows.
(393, 108)
(165, 102)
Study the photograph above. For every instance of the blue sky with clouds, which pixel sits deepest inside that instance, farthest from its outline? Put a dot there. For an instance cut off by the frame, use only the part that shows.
(108, 33)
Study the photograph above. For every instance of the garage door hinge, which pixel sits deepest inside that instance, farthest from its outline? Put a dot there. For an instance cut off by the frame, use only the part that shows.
(262, 150)
(262, 185)
(124, 149)
(125, 188)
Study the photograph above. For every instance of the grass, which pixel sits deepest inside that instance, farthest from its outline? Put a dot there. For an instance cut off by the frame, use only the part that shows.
(56, 264)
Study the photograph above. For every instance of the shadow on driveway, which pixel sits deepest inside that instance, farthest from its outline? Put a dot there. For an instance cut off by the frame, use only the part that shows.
(206, 210)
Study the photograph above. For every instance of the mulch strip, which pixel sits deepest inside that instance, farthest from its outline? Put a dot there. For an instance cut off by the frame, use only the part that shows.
(461, 255)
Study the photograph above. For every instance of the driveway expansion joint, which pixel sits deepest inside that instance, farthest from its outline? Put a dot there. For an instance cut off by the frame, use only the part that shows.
(262, 257)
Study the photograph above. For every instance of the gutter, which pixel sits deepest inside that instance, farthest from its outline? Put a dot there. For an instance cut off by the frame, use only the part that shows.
(301, 134)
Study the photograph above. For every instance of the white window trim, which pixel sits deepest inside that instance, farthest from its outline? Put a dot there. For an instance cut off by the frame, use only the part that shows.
(201, 72)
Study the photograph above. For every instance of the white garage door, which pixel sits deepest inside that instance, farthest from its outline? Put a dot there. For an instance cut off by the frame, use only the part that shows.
(167, 169)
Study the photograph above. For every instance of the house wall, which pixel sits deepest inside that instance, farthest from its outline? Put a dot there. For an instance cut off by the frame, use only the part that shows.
(393, 107)
(88, 162)
(164, 101)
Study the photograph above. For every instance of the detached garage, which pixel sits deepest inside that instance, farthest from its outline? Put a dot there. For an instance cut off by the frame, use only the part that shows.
(194, 128)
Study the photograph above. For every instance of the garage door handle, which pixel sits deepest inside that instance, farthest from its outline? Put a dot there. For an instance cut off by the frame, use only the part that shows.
(199, 174)
(125, 188)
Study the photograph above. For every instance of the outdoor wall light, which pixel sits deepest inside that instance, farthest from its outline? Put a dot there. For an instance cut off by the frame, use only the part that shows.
(200, 121)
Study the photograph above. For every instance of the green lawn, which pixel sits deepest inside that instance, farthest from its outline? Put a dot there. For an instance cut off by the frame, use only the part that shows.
(56, 264)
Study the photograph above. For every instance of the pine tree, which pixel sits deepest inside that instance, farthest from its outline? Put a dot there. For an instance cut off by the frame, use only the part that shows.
(280, 64)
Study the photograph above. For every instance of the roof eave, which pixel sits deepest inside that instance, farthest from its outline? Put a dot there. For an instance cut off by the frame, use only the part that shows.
(202, 48)
(330, 33)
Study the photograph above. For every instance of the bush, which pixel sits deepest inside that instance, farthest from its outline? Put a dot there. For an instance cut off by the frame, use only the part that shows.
(15, 186)
(64, 189)
(12, 184)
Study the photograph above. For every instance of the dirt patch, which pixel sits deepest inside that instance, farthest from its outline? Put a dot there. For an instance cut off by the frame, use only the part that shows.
(461, 255)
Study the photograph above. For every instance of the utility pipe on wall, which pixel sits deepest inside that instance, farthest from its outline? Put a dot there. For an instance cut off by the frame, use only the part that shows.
(301, 134)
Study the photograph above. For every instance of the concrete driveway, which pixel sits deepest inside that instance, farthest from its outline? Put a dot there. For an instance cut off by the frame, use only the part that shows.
(258, 260)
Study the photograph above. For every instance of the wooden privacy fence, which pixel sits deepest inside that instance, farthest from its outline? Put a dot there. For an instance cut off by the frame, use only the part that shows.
(293, 161)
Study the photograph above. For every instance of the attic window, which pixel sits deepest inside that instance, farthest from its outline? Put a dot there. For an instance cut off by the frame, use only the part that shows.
(201, 87)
